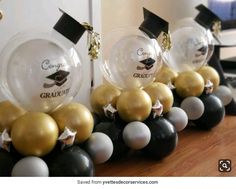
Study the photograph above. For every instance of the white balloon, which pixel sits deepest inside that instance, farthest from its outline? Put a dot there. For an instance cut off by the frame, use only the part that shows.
(178, 118)
(189, 50)
(224, 94)
(100, 147)
(30, 167)
(193, 107)
(189, 21)
(131, 59)
(39, 72)
(136, 135)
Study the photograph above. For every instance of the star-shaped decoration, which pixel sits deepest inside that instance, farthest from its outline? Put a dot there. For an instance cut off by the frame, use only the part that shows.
(67, 138)
(170, 85)
(109, 111)
(209, 87)
(157, 109)
(5, 140)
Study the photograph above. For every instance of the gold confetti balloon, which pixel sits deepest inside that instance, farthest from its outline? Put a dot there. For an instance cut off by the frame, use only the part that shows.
(9, 113)
(76, 117)
(134, 105)
(189, 83)
(166, 75)
(34, 134)
(161, 92)
(209, 73)
(103, 95)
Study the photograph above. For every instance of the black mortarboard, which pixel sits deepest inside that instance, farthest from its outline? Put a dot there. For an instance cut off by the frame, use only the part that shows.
(153, 25)
(60, 77)
(148, 63)
(69, 28)
(206, 17)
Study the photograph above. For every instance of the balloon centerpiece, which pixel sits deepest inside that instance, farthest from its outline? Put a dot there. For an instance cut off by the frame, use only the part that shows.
(42, 73)
(192, 46)
(131, 106)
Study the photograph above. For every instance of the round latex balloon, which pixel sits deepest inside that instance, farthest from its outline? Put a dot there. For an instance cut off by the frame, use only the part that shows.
(164, 138)
(7, 162)
(213, 114)
(8, 114)
(136, 135)
(166, 75)
(189, 50)
(39, 72)
(70, 162)
(76, 117)
(30, 167)
(34, 134)
(189, 21)
(134, 105)
(102, 96)
(224, 94)
(131, 58)
(193, 106)
(99, 146)
(178, 118)
(114, 130)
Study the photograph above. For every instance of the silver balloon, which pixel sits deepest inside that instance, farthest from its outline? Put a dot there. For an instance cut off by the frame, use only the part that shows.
(178, 118)
(224, 94)
(189, 49)
(131, 58)
(30, 167)
(193, 107)
(100, 147)
(136, 135)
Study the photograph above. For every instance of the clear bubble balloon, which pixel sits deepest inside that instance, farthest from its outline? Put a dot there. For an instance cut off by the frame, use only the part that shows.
(130, 58)
(189, 21)
(40, 72)
(189, 49)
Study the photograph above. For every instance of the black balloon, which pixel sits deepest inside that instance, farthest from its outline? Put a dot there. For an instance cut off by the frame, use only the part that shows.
(164, 138)
(177, 99)
(114, 130)
(7, 162)
(214, 112)
(72, 161)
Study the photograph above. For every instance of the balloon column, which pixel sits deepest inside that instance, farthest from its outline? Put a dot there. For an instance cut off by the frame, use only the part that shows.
(130, 107)
(42, 73)
(192, 47)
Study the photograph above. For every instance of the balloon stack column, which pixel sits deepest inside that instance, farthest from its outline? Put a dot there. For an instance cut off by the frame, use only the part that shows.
(130, 104)
(196, 87)
(42, 74)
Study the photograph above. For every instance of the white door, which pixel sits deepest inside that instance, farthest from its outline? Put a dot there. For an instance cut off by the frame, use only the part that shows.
(21, 15)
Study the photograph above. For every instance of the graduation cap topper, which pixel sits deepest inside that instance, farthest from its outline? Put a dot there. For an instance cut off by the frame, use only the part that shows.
(208, 19)
(154, 25)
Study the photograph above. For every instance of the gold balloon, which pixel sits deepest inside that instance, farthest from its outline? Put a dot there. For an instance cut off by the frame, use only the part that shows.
(209, 73)
(189, 83)
(76, 117)
(103, 95)
(134, 105)
(34, 134)
(161, 92)
(166, 75)
(9, 113)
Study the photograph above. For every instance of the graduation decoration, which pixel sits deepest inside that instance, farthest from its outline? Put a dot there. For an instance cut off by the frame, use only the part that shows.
(132, 56)
(41, 71)
(205, 22)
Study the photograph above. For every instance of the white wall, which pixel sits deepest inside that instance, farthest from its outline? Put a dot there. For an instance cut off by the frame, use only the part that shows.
(27, 14)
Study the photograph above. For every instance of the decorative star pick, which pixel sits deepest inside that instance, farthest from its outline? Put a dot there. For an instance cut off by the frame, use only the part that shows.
(157, 109)
(170, 85)
(109, 111)
(67, 138)
(209, 87)
(5, 140)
